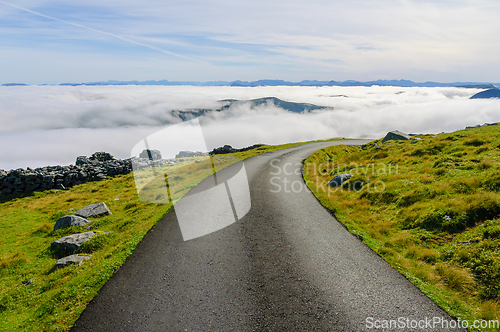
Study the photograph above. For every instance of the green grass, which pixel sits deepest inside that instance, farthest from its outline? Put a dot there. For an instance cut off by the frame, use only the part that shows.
(57, 296)
(430, 208)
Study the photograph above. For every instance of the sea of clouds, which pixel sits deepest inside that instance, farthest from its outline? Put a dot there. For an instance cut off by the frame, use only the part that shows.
(52, 125)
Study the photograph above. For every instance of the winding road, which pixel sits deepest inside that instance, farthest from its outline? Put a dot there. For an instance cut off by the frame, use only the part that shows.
(287, 265)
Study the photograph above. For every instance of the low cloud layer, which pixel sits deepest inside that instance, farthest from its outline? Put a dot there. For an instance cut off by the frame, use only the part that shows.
(53, 125)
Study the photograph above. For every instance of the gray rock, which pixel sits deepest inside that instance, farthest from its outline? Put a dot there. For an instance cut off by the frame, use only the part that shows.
(150, 154)
(100, 176)
(101, 156)
(94, 210)
(396, 135)
(71, 220)
(83, 160)
(339, 179)
(73, 241)
(138, 165)
(72, 259)
(472, 127)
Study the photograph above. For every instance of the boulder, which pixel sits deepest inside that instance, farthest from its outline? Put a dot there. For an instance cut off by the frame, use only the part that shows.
(396, 135)
(73, 241)
(339, 179)
(72, 259)
(94, 210)
(71, 220)
(150, 154)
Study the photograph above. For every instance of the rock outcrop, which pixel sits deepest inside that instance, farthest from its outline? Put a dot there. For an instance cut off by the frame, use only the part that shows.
(94, 210)
(71, 220)
(72, 259)
(484, 125)
(396, 135)
(229, 149)
(339, 179)
(72, 242)
(150, 154)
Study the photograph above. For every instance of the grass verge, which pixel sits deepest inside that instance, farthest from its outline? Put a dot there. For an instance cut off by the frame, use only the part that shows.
(430, 207)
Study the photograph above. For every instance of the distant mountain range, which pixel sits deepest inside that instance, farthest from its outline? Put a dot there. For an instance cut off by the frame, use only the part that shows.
(400, 83)
(161, 82)
(14, 84)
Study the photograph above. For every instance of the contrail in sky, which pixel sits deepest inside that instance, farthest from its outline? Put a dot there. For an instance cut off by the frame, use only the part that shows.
(99, 31)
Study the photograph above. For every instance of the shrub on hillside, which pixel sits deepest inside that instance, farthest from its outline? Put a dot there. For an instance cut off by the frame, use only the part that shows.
(492, 183)
(385, 197)
(474, 142)
(416, 196)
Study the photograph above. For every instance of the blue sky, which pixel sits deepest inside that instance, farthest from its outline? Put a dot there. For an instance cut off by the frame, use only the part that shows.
(73, 41)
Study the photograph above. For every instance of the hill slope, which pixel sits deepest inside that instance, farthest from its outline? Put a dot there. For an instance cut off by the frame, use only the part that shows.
(36, 296)
(491, 93)
(430, 207)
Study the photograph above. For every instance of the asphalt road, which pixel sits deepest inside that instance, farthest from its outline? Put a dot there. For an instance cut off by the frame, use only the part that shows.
(287, 265)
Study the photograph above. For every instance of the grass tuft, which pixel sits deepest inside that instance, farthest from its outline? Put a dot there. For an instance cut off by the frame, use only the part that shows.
(456, 278)
(13, 260)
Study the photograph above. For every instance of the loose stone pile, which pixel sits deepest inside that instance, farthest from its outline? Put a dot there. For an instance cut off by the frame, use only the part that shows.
(74, 241)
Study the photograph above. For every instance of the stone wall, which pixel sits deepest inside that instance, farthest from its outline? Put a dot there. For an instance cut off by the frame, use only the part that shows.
(95, 168)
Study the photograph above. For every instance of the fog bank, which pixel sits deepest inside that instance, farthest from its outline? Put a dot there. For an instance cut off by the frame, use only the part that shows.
(50, 125)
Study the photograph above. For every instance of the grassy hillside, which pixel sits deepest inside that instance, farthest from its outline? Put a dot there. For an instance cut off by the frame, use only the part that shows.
(57, 296)
(429, 207)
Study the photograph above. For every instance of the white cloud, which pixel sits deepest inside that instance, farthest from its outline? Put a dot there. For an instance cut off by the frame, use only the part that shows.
(419, 40)
(53, 125)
